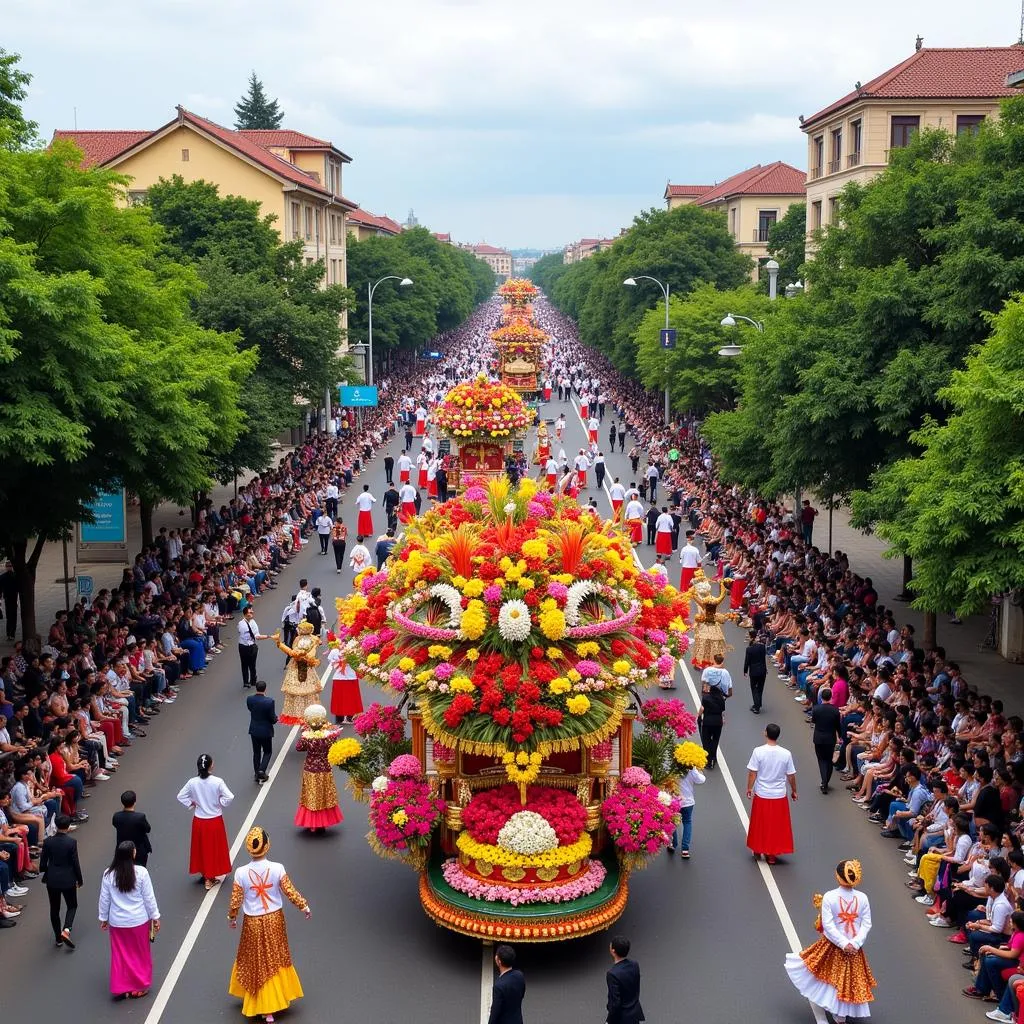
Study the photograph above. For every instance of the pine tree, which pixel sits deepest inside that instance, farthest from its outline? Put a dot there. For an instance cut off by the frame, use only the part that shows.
(254, 110)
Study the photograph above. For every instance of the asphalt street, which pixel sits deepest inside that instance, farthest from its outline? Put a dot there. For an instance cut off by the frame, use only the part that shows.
(709, 933)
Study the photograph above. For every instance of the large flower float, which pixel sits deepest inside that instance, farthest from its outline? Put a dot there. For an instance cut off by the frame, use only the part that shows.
(517, 291)
(517, 632)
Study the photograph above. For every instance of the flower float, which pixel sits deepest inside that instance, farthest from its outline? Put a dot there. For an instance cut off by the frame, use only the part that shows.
(518, 333)
(640, 817)
(482, 409)
(518, 290)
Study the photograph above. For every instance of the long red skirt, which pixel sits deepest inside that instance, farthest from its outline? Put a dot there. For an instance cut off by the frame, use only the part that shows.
(431, 487)
(616, 510)
(686, 578)
(421, 427)
(552, 480)
(209, 855)
(131, 959)
(422, 478)
(408, 510)
(636, 530)
(547, 394)
(663, 542)
(581, 478)
(770, 829)
(736, 592)
(403, 476)
(364, 523)
(346, 700)
(592, 434)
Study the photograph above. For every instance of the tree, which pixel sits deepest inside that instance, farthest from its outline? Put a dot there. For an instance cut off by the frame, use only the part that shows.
(787, 239)
(254, 110)
(547, 271)
(699, 378)
(958, 509)
(15, 131)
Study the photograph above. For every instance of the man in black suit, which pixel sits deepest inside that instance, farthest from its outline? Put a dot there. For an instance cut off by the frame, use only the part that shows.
(623, 979)
(132, 826)
(509, 989)
(827, 723)
(62, 875)
(262, 717)
(755, 668)
(389, 467)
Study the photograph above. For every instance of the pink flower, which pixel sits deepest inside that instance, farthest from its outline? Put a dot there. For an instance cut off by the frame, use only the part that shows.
(588, 668)
(492, 593)
(559, 591)
(475, 493)
(635, 776)
(666, 666)
(370, 642)
(397, 679)
(443, 671)
(535, 508)
(405, 766)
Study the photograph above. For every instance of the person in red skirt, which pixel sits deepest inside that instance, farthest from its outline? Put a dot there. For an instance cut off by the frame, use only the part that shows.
(769, 771)
(318, 798)
(551, 469)
(346, 700)
(689, 559)
(635, 520)
(407, 502)
(365, 503)
(663, 535)
(421, 470)
(207, 795)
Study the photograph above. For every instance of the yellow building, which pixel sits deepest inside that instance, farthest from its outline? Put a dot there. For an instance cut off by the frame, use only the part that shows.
(684, 195)
(851, 139)
(362, 224)
(293, 176)
(498, 260)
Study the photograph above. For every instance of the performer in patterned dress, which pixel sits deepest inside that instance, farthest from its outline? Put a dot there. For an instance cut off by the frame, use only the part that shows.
(262, 975)
(833, 972)
(708, 638)
(301, 684)
(318, 797)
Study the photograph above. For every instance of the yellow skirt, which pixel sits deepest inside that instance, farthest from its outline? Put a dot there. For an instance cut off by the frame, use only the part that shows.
(262, 975)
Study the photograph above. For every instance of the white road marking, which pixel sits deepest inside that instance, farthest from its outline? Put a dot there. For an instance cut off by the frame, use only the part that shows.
(774, 893)
(486, 981)
(169, 983)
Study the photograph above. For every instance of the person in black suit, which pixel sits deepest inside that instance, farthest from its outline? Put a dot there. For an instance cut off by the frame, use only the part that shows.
(389, 467)
(755, 668)
(62, 876)
(623, 980)
(827, 723)
(509, 989)
(132, 826)
(262, 717)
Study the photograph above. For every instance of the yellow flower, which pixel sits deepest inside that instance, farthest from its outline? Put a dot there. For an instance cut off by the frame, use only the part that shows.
(548, 602)
(351, 607)
(459, 581)
(407, 664)
(527, 487)
(505, 564)
(439, 651)
(373, 659)
(587, 648)
(526, 583)
(564, 577)
(557, 857)
(690, 755)
(552, 623)
(648, 603)
(434, 545)
(473, 588)
(534, 548)
(560, 685)
(579, 704)
(474, 621)
(553, 653)
(399, 818)
(461, 684)
(522, 758)
(472, 654)
(425, 675)
(574, 675)
(343, 750)
(621, 668)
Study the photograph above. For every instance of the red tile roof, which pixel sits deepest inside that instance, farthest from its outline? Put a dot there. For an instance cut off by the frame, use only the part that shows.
(685, 191)
(956, 73)
(442, 236)
(100, 146)
(287, 138)
(390, 225)
(483, 249)
(367, 220)
(775, 179)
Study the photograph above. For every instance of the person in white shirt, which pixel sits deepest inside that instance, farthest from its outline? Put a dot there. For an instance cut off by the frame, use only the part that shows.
(359, 559)
(689, 779)
(259, 891)
(428, 446)
(635, 520)
(404, 468)
(653, 476)
(593, 426)
(331, 500)
(365, 503)
(551, 469)
(769, 770)
(248, 652)
(689, 559)
(560, 426)
(128, 912)
(207, 795)
(324, 524)
(406, 502)
(581, 464)
(618, 495)
(663, 535)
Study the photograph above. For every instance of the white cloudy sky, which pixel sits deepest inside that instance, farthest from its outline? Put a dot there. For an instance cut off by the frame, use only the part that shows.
(526, 123)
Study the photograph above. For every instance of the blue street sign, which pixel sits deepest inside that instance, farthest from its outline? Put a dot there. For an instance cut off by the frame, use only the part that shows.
(84, 586)
(109, 525)
(354, 396)
(668, 337)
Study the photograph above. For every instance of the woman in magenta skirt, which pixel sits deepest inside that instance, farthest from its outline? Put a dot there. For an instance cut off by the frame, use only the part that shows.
(128, 911)
(207, 795)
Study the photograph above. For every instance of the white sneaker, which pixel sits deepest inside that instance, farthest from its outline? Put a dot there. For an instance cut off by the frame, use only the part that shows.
(101, 777)
(925, 901)
(15, 891)
(997, 1014)
(938, 921)
(909, 859)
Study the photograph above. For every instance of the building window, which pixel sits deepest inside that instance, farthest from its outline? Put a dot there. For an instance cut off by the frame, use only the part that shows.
(817, 155)
(184, 156)
(732, 221)
(318, 233)
(816, 215)
(836, 162)
(902, 130)
(138, 197)
(833, 208)
(968, 123)
(765, 220)
(856, 134)
(296, 222)
(309, 222)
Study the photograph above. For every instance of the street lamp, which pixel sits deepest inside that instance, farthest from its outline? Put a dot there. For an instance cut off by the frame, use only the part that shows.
(772, 266)
(630, 282)
(794, 289)
(729, 320)
(403, 282)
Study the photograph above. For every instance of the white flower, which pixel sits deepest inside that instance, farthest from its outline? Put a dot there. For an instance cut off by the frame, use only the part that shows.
(514, 620)
(379, 784)
(578, 592)
(510, 507)
(528, 833)
(449, 596)
(665, 799)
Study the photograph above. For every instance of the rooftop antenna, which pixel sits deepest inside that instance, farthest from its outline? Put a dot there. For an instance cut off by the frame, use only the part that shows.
(75, 109)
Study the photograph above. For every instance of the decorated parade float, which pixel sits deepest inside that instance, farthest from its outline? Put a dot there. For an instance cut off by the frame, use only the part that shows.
(517, 633)
(480, 422)
(518, 340)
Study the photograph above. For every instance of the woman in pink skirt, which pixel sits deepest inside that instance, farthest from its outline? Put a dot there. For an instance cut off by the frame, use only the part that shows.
(128, 911)
(318, 797)
(207, 795)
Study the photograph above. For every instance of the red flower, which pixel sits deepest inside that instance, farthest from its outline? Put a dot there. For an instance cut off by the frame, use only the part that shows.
(535, 652)
(531, 598)
(502, 716)
(618, 648)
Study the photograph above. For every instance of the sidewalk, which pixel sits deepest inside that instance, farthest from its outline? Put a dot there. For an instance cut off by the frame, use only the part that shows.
(985, 669)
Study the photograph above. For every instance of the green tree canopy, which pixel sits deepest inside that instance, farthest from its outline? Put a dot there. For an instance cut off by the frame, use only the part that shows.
(15, 131)
(255, 110)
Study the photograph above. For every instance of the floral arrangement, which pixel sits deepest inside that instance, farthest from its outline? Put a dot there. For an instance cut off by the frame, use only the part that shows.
(487, 812)
(556, 857)
(344, 750)
(403, 814)
(385, 719)
(518, 290)
(480, 408)
(527, 832)
(382, 730)
(518, 620)
(663, 716)
(690, 755)
(519, 333)
(664, 722)
(590, 881)
(639, 817)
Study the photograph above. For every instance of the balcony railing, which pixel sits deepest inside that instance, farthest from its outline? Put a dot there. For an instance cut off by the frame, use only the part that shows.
(834, 165)
(761, 233)
(853, 160)
(815, 172)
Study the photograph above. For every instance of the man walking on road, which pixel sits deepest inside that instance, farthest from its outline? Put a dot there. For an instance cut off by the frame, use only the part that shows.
(132, 826)
(689, 559)
(389, 468)
(324, 524)
(652, 475)
(62, 874)
(262, 717)
(248, 634)
(509, 989)
(769, 771)
(755, 668)
(623, 979)
(827, 722)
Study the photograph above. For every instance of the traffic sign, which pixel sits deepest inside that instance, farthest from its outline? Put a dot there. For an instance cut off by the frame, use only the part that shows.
(668, 337)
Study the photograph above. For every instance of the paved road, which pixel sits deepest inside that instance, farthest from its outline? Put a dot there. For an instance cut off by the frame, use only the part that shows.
(707, 933)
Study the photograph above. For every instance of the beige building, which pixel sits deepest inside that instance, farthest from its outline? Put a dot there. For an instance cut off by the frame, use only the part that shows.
(684, 195)
(361, 225)
(293, 176)
(851, 139)
(498, 260)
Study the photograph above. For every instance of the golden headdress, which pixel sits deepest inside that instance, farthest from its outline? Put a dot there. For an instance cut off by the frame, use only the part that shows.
(849, 873)
(305, 626)
(257, 842)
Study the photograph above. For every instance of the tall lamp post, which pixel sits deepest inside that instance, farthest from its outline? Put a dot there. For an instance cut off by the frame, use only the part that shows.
(403, 282)
(630, 282)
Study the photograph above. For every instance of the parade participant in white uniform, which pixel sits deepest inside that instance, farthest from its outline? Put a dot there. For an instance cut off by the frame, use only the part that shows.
(635, 520)
(663, 535)
(365, 503)
(689, 559)
(407, 502)
(581, 464)
(421, 421)
(769, 771)
(593, 426)
(551, 469)
(618, 496)
(404, 468)
(421, 469)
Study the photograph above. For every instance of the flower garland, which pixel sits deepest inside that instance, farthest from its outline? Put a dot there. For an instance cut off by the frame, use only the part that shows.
(590, 881)
(556, 858)
(522, 768)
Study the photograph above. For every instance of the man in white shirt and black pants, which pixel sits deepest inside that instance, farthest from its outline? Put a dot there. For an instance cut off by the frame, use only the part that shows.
(324, 525)
(248, 634)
